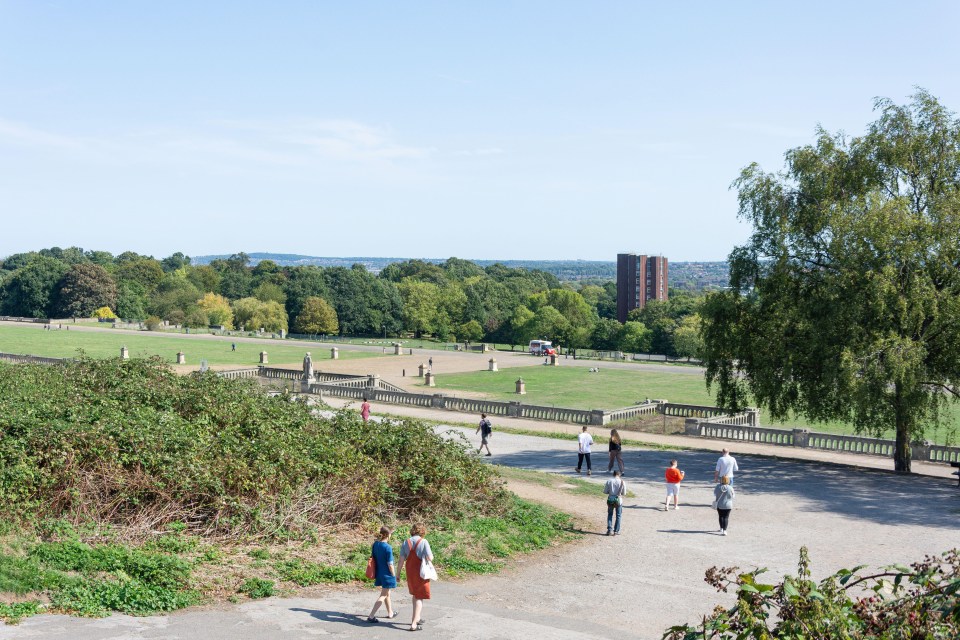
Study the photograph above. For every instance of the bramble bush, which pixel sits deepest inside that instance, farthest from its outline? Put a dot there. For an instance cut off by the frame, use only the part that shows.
(132, 445)
(920, 601)
(167, 467)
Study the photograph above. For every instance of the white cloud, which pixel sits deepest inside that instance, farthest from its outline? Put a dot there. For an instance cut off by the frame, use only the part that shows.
(26, 135)
(237, 144)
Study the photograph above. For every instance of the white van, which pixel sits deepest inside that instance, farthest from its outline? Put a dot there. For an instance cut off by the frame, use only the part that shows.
(541, 347)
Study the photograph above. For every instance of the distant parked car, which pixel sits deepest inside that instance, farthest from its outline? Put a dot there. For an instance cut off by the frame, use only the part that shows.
(542, 348)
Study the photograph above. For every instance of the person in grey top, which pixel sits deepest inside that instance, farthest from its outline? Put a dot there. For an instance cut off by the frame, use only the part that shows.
(615, 489)
(723, 495)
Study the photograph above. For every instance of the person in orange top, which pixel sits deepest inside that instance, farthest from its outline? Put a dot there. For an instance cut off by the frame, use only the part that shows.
(674, 476)
(414, 551)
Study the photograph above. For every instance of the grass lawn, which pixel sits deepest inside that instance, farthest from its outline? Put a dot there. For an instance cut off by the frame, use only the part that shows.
(577, 388)
(34, 340)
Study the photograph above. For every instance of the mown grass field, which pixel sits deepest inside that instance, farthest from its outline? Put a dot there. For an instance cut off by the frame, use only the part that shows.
(34, 340)
(578, 388)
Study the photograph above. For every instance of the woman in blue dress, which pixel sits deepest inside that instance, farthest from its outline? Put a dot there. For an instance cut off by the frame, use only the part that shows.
(386, 575)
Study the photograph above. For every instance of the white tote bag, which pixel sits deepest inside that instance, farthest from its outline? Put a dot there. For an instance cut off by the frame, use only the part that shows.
(427, 570)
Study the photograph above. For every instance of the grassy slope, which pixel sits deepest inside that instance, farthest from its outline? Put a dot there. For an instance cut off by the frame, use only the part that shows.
(64, 344)
(147, 491)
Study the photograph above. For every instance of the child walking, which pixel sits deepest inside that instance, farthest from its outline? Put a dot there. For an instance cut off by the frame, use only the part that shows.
(674, 477)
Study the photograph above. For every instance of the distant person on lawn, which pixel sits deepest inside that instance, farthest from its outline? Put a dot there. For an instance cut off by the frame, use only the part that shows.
(485, 428)
(674, 477)
(584, 442)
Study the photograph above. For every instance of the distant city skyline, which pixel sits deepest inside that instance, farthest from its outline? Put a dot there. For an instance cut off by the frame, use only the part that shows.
(500, 130)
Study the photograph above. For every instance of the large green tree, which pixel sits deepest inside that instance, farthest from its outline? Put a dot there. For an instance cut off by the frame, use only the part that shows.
(85, 288)
(31, 291)
(845, 302)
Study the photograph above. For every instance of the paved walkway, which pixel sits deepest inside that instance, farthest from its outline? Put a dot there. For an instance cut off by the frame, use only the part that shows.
(686, 442)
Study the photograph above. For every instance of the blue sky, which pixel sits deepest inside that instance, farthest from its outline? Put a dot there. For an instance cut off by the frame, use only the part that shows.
(537, 130)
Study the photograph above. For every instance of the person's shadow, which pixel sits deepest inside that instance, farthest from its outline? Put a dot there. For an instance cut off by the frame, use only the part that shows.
(340, 617)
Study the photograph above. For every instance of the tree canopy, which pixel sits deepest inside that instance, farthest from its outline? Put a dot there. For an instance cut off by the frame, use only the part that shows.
(845, 302)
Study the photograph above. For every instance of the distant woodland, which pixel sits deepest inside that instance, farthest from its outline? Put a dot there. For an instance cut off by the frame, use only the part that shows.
(453, 299)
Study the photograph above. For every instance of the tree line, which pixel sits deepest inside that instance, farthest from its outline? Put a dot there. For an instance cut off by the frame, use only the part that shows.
(454, 300)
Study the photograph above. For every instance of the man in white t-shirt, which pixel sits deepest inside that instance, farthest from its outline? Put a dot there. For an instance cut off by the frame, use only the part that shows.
(726, 465)
(584, 442)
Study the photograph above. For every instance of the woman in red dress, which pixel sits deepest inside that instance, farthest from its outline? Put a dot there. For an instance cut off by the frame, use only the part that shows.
(413, 552)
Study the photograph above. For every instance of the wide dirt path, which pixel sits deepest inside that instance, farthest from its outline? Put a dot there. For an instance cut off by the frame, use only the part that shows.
(634, 585)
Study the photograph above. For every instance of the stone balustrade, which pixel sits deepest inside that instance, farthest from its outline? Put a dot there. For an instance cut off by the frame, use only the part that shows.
(24, 359)
(804, 439)
(237, 374)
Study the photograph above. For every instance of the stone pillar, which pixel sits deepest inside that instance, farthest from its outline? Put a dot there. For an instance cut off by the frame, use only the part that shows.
(554, 360)
(283, 334)
(421, 368)
(373, 381)
(521, 387)
(124, 353)
(181, 359)
(263, 358)
(691, 427)
(753, 417)
(307, 368)
(597, 417)
(484, 348)
(493, 364)
(801, 438)
(513, 409)
(397, 349)
(430, 379)
(334, 353)
(438, 401)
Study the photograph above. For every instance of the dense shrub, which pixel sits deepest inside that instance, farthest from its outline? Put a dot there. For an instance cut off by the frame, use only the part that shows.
(131, 444)
(919, 601)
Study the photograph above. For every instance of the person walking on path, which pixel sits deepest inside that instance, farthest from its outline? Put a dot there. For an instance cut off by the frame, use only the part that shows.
(486, 430)
(365, 410)
(723, 497)
(674, 477)
(430, 363)
(615, 488)
(585, 441)
(616, 451)
(726, 465)
(386, 577)
(413, 552)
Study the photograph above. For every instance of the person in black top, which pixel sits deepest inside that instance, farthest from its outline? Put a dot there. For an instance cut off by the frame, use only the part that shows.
(616, 449)
(486, 430)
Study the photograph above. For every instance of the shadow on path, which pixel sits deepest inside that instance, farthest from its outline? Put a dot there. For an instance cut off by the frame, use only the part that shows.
(343, 618)
(853, 491)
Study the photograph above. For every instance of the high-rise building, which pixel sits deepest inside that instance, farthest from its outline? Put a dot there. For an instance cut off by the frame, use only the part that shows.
(639, 279)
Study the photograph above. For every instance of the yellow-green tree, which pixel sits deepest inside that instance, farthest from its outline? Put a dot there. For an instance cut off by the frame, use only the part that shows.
(316, 317)
(217, 309)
